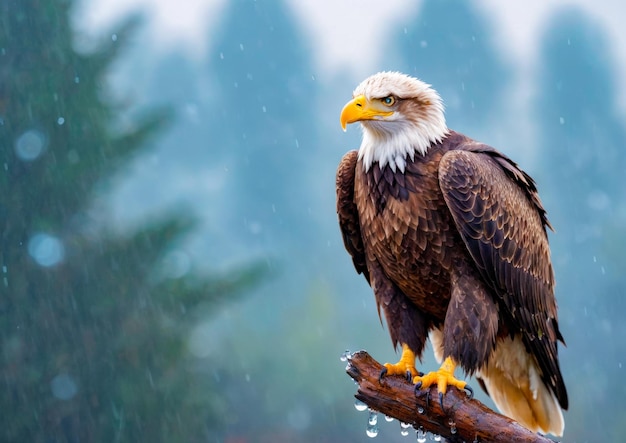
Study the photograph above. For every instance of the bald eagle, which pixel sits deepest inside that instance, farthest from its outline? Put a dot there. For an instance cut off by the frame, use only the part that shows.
(451, 236)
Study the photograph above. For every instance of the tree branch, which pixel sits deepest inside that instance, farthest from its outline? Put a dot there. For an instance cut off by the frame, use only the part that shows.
(461, 420)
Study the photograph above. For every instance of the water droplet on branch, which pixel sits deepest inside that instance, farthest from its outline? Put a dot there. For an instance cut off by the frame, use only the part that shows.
(373, 418)
(360, 406)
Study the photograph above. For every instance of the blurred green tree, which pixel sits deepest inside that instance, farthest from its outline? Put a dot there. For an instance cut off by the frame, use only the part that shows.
(581, 145)
(93, 324)
(581, 131)
(449, 44)
(265, 123)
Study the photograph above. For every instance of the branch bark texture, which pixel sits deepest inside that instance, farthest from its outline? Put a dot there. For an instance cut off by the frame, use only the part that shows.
(461, 419)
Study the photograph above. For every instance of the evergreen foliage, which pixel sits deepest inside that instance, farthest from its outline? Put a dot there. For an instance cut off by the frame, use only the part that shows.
(449, 44)
(581, 131)
(92, 331)
(581, 136)
(266, 123)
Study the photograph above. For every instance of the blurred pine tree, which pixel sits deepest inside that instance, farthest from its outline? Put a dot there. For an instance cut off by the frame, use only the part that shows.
(581, 146)
(450, 44)
(92, 330)
(581, 131)
(265, 123)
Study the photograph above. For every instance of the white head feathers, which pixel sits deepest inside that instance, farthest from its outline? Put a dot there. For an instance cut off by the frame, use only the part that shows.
(417, 122)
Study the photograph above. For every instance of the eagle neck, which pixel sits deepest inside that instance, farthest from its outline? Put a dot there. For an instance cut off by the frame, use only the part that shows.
(397, 147)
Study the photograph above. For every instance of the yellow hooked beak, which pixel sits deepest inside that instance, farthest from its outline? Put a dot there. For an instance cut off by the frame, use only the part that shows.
(360, 108)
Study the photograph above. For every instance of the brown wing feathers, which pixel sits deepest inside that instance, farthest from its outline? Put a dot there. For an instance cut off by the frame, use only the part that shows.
(506, 238)
(348, 214)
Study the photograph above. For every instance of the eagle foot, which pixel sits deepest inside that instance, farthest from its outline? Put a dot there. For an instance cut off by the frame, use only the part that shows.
(443, 377)
(405, 366)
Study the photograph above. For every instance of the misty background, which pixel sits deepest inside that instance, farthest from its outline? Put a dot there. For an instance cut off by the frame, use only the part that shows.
(171, 265)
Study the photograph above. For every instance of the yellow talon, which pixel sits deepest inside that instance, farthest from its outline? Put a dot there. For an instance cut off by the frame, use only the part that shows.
(404, 367)
(443, 377)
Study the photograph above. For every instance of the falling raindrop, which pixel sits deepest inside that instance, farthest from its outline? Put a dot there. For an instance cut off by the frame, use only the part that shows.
(63, 387)
(561, 120)
(359, 405)
(77, 79)
(60, 121)
(114, 37)
(46, 250)
(30, 145)
(241, 46)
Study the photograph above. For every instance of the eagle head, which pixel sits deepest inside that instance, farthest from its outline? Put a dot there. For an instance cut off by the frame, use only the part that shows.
(400, 116)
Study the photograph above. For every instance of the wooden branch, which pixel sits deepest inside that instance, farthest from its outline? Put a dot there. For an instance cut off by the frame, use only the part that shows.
(470, 420)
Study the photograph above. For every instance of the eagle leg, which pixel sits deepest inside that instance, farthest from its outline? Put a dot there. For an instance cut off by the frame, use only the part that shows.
(405, 366)
(443, 377)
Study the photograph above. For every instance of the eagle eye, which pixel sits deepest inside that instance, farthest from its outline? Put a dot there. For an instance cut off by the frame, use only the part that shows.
(389, 100)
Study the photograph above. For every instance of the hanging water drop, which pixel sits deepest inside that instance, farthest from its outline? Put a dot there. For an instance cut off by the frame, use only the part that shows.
(346, 355)
(404, 429)
(360, 406)
(420, 410)
(421, 436)
(373, 418)
(453, 429)
(436, 437)
(371, 430)
(388, 419)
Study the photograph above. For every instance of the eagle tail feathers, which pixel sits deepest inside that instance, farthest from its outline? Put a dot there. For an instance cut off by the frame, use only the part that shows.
(512, 379)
